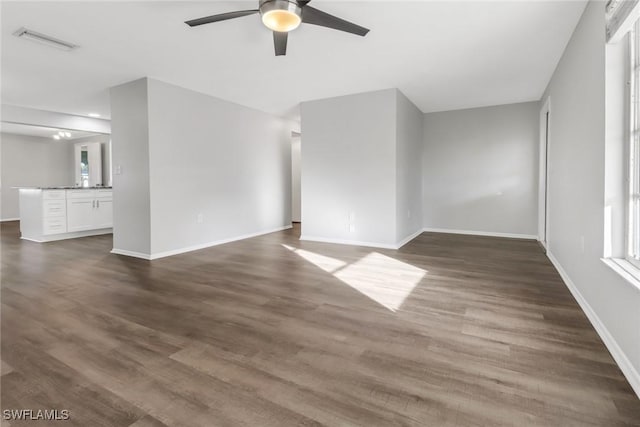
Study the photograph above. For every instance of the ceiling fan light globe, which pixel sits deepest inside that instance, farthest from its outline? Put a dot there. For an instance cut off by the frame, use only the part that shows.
(281, 21)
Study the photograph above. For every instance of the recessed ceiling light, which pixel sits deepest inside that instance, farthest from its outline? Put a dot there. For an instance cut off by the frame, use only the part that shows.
(60, 133)
(95, 115)
(56, 137)
(67, 134)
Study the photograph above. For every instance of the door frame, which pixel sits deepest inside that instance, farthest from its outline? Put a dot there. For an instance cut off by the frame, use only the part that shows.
(543, 174)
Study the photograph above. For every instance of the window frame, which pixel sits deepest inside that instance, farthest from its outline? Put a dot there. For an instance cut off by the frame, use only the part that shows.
(632, 174)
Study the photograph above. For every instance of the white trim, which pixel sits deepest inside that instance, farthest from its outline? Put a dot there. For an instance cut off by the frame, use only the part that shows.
(217, 243)
(359, 243)
(543, 171)
(621, 359)
(482, 233)
(409, 238)
(9, 219)
(65, 236)
(131, 254)
(623, 27)
(624, 268)
(348, 242)
(166, 254)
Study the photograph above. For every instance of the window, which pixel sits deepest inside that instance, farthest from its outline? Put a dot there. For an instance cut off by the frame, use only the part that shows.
(633, 178)
(84, 166)
(621, 249)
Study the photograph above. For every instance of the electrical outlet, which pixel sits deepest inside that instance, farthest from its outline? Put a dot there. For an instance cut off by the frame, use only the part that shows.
(200, 218)
(118, 170)
(352, 228)
(352, 216)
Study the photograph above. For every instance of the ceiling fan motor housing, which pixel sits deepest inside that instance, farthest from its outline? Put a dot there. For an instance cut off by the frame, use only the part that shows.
(270, 5)
(284, 16)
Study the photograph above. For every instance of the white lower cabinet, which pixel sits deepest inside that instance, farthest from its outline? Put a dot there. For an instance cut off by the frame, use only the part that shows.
(80, 214)
(89, 210)
(103, 215)
(47, 214)
(54, 212)
(56, 225)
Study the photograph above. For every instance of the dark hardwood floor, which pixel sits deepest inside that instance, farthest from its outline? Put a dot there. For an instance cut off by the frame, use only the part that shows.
(448, 331)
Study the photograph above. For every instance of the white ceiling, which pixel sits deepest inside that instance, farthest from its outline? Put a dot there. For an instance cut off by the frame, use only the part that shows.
(40, 131)
(442, 55)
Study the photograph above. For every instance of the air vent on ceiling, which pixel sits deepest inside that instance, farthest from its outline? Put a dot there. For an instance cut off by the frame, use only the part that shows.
(45, 39)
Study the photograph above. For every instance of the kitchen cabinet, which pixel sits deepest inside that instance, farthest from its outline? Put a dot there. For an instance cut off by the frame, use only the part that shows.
(104, 212)
(55, 214)
(89, 209)
(54, 210)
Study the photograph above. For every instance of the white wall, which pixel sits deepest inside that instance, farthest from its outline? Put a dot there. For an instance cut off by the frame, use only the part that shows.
(31, 161)
(196, 170)
(130, 154)
(480, 169)
(409, 150)
(577, 191)
(296, 190)
(229, 163)
(349, 168)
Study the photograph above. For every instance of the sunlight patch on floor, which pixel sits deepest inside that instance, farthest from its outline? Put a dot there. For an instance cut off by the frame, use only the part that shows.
(326, 263)
(383, 279)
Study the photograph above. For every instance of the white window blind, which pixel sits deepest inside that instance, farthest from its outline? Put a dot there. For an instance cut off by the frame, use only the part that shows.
(633, 231)
(620, 16)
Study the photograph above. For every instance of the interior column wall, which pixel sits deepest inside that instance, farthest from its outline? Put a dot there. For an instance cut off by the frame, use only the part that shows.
(349, 169)
(409, 152)
(131, 179)
(219, 171)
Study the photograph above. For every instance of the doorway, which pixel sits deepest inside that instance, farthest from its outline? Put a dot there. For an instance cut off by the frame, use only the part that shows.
(543, 187)
(296, 189)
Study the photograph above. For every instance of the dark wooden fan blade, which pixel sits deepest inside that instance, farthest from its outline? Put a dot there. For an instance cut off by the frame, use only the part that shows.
(220, 17)
(280, 42)
(323, 19)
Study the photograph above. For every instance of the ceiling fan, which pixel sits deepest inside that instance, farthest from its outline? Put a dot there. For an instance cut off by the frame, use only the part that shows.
(283, 16)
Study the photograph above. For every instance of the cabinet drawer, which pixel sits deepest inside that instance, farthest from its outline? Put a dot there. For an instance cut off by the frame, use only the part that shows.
(106, 194)
(54, 208)
(53, 195)
(80, 194)
(55, 225)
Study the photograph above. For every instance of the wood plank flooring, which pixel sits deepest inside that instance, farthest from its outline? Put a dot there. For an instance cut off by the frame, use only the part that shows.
(448, 331)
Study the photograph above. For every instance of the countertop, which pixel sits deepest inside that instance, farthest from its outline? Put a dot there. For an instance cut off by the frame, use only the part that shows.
(64, 188)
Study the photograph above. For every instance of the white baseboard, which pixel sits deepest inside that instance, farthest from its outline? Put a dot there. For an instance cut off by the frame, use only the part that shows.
(347, 242)
(481, 233)
(621, 359)
(66, 236)
(9, 219)
(360, 243)
(131, 254)
(166, 254)
(408, 239)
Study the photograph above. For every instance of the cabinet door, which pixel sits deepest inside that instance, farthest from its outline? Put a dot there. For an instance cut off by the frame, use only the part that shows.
(103, 214)
(80, 214)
